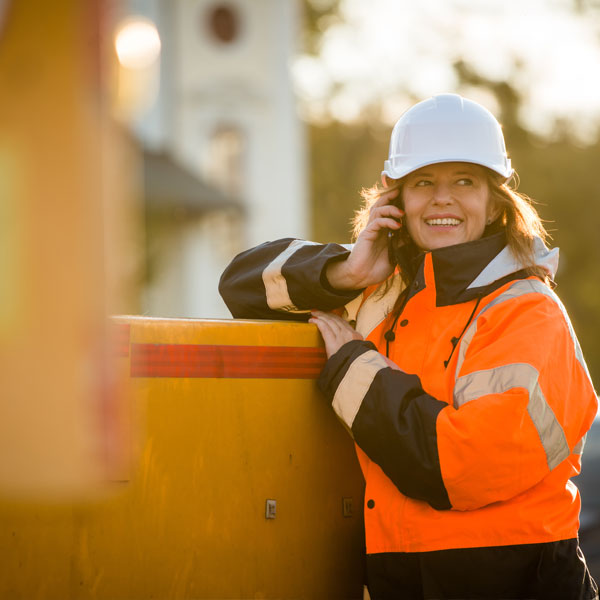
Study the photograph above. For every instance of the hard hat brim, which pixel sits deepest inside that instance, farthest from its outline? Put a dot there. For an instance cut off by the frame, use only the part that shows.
(504, 170)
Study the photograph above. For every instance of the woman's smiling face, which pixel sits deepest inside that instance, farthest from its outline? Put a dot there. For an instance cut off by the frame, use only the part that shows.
(446, 204)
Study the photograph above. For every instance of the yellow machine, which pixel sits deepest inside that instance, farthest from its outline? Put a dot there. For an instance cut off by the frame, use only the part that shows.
(241, 484)
(203, 464)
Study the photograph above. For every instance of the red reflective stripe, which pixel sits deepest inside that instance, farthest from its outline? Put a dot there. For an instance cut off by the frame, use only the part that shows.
(251, 362)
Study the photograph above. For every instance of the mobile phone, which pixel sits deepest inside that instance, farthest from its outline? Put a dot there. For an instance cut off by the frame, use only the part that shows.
(395, 237)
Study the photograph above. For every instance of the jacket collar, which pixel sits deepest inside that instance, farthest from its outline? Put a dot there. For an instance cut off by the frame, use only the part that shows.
(465, 271)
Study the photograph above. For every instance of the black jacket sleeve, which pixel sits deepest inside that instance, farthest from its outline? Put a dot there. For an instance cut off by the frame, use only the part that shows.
(283, 279)
(390, 417)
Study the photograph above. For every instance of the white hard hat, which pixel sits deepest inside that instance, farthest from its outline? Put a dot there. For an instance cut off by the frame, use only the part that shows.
(446, 128)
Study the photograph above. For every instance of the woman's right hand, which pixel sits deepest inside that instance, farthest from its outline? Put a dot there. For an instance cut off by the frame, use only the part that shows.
(369, 263)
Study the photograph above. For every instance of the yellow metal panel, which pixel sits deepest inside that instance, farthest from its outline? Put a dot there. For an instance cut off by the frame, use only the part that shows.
(190, 520)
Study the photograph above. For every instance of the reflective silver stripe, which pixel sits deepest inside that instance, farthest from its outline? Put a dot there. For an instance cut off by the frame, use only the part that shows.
(355, 385)
(519, 288)
(519, 375)
(513, 292)
(278, 297)
(580, 445)
(378, 306)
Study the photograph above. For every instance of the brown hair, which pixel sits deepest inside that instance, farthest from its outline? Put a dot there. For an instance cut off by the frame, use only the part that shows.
(518, 218)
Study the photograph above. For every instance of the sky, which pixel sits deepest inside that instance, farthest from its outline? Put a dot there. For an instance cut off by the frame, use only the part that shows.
(383, 49)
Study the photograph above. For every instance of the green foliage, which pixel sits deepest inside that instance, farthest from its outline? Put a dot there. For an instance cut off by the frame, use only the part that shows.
(344, 159)
(317, 16)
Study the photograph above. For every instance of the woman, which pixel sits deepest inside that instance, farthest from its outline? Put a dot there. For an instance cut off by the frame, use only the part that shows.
(455, 367)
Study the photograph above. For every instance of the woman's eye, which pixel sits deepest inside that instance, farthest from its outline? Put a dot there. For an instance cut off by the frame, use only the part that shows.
(465, 181)
(422, 182)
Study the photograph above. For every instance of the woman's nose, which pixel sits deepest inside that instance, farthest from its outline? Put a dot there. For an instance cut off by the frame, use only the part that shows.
(442, 194)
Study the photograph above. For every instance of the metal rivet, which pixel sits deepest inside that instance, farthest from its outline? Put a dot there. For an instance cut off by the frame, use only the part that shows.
(270, 509)
(347, 507)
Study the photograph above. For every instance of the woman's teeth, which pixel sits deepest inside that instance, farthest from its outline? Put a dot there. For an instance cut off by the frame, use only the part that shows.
(443, 222)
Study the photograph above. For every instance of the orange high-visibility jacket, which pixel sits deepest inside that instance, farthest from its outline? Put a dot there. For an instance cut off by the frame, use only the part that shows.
(469, 431)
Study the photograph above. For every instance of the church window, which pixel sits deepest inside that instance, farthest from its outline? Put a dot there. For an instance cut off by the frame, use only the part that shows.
(224, 23)
(225, 158)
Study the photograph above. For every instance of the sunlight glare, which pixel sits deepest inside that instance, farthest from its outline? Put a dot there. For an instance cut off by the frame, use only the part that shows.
(137, 43)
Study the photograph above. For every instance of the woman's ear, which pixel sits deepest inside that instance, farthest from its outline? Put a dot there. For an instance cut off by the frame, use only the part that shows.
(493, 212)
(384, 180)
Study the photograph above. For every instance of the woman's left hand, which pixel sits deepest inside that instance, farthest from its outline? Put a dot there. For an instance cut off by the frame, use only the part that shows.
(335, 331)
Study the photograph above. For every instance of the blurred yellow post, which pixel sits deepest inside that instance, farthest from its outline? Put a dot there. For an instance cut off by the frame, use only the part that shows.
(60, 433)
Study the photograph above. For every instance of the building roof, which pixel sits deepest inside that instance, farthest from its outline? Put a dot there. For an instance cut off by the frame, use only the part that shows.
(171, 188)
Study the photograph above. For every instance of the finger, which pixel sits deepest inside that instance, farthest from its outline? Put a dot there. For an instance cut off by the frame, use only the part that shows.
(328, 334)
(334, 325)
(325, 326)
(389, 210)
(341, 329)
(373, 229)
(386, 197)
(330, 339)
(335, 322)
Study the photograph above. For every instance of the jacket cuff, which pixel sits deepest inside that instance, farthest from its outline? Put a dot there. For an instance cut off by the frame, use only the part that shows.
(307, 283)
(347, 295)
(338, 364)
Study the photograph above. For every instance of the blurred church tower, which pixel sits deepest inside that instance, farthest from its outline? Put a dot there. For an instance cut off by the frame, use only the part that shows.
(226, 112)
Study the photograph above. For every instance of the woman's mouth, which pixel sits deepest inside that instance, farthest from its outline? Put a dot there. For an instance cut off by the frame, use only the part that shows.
(443, 222)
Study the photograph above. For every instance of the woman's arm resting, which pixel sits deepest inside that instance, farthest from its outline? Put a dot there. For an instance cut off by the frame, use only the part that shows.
(283, 279)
